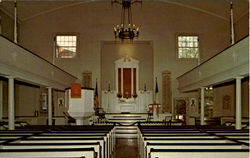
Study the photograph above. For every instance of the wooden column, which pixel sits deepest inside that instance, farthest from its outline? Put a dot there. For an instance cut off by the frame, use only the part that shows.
(238, 103)
(1, 100)
(11, 103)
(202, 105)
(49, 106)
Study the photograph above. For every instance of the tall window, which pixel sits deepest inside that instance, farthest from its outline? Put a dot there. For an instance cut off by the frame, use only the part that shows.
(188, 47)
(66, 46)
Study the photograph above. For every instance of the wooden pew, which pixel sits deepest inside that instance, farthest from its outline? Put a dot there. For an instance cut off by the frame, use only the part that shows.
(199, 153)
(150, 146)
(90, 134)
(108, 137)
(181, 141)
(189, 138)
(194, 136)
(66, 141)
(38, 153)
(96, 146)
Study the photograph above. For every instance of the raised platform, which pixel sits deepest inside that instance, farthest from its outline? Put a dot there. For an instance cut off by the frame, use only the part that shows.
(126, 123)
(126, 118)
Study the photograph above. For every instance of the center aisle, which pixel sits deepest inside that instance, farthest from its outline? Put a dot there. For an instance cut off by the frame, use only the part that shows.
(126, 134)
(126, 148)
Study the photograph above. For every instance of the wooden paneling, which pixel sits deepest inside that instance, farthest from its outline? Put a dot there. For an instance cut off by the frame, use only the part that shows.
(166, 91)
(87, 79)
(134, 80)
(127, 82)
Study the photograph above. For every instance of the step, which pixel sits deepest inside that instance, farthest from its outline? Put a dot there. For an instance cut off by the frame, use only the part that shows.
(126, 135)
(135, 116)
(126, 131)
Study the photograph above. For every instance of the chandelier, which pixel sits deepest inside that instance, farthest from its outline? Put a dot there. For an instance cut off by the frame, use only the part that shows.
(126, 30)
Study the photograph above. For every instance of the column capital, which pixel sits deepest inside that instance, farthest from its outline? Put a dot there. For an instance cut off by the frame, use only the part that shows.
(10, 77)
(49, 87)
(239, 77)
(202, 87)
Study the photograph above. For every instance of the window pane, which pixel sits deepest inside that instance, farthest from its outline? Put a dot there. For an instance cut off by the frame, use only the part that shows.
(188, 47)
(66, 46)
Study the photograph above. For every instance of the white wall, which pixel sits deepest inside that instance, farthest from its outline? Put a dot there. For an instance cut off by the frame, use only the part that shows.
(229, 90)
(159, 22)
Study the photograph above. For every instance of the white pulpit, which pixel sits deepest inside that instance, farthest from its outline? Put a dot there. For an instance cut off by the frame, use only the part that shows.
(81, 108)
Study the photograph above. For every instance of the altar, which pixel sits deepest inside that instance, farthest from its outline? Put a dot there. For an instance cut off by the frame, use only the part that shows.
(127, 97)
(112, 104)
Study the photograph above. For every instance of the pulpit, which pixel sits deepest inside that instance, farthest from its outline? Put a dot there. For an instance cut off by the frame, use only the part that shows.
(82, 106)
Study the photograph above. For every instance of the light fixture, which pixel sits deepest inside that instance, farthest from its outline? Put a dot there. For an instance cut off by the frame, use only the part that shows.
(126, 30)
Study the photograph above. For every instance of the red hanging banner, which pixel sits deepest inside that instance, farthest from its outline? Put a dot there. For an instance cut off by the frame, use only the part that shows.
(76, 90)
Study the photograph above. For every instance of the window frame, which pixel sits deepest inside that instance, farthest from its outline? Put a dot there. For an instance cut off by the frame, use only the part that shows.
(177, 46)
(66, 34)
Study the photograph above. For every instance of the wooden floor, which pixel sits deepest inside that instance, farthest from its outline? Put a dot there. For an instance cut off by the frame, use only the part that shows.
(126, 148)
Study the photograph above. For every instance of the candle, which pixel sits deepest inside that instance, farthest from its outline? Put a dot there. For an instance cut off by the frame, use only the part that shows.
(109, 86)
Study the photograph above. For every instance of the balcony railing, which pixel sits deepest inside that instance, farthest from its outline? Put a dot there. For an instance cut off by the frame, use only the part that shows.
(26, 66)
(224, 66)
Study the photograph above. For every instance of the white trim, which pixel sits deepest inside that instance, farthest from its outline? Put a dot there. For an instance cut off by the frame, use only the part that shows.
(127, 62)
(132, 81)
(202, 106)
(11, 103)
(1, 99)
(238, 108)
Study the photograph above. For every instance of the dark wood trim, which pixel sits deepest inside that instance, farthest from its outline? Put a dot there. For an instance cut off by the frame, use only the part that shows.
(134, 81)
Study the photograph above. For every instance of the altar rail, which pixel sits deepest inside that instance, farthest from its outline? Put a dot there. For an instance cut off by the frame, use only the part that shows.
(25, 65)
(224, 66)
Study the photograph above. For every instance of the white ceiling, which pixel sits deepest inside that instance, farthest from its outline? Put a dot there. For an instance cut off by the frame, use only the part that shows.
(28, 9)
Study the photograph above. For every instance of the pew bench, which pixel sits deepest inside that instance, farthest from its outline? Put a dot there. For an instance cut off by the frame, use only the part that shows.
(199, 153)
(38, 153)
(95, 145)
(66, 141)
(108, 137)
(150, 146)
(143, 145)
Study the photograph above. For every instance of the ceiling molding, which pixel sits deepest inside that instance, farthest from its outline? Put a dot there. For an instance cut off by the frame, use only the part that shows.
(77, 2)
(10, 15)
(52, 10)
(241, 16)
(197, 9)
